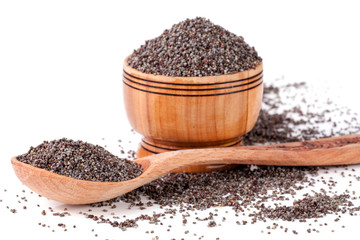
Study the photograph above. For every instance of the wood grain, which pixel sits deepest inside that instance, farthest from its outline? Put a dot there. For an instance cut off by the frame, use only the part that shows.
(175, 113)
(323, 152)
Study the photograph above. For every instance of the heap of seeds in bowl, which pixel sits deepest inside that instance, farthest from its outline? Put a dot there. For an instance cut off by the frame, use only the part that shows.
(195, 48)
(81, 160)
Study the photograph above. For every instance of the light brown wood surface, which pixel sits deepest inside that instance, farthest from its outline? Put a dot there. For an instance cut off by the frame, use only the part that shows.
(333, 151)
(175, 113)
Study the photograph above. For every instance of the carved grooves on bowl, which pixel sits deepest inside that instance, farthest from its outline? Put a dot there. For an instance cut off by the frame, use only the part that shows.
(156, 147)
(192, 90)
(175, 113)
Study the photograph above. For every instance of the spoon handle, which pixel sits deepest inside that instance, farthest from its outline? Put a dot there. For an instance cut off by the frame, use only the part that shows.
(322, 152)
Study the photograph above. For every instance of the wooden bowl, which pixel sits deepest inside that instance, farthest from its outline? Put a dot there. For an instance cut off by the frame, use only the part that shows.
(175, 113)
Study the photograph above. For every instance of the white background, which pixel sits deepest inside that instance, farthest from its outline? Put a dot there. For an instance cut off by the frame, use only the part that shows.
(60, 76)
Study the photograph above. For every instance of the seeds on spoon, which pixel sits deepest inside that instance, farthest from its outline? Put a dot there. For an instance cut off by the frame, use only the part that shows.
(81, 160)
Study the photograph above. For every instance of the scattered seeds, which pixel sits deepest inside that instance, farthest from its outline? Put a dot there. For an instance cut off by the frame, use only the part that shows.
(253, 193)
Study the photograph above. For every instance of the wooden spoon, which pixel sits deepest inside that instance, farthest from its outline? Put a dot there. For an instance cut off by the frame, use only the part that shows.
(327, 151)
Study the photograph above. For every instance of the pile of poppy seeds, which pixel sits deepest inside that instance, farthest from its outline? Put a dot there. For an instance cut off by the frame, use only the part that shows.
(81, 160)
(194, 48)
(247, 190)
(253, 194)
(270, 194)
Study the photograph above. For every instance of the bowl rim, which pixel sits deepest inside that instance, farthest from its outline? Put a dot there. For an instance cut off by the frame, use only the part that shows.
(224, 78)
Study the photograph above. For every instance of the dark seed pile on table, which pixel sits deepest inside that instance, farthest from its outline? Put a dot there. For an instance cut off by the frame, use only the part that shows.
(81, 160)
(194, 48)
(250, 187)
(292, 200)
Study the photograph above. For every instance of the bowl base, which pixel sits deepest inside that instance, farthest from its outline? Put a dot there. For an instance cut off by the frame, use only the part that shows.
(149, 147)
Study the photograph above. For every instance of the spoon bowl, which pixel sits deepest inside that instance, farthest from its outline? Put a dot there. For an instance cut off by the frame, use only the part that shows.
(71, 190)
(327, 151)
